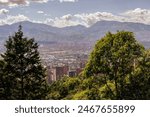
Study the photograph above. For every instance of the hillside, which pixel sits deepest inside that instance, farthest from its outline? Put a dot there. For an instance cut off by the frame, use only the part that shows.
(74, 35)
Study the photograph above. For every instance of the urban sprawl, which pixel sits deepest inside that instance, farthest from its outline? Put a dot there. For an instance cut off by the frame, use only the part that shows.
(63, 63)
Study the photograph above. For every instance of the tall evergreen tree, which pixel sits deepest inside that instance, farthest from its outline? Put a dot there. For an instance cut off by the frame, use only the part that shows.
(2, 95)
(23, 74)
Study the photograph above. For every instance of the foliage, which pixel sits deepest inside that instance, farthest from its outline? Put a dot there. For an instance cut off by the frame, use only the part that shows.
(22, 76)
(114, 58)
(62, 88)
(140, 79)
(118, 68)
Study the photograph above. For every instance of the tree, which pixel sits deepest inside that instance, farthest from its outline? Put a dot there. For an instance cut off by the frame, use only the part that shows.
(118, 68)
(114, 58)
(63, 88)
(23, 74)
(139, 82)
(2, 94)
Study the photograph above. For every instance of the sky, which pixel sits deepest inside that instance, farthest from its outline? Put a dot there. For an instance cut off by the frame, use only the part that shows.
(61, 13)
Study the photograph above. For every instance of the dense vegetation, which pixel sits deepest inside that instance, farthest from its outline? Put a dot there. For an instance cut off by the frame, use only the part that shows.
(22, 75)
(118, 68)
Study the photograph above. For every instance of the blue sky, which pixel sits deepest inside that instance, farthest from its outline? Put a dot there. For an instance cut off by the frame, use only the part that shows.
(62, 13)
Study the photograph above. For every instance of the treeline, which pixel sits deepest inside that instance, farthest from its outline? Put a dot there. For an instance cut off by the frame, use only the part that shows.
(118, 69)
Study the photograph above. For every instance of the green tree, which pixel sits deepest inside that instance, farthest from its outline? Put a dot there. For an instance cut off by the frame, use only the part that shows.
(139, 80)
(118, 68)
(2, 94)
(63, 88)
(113, 59)
(23, 74)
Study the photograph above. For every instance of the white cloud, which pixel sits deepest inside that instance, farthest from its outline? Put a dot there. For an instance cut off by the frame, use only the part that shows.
(138, 15)
(66, 20)
(87, 19)
(13, 3)
(13, 19)
(40, 12)
(68, 0)
(4, 11)
(91, 18)
(40, 1)
(81, 19)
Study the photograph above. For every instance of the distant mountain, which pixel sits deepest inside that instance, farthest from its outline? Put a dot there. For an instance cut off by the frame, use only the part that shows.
(141, 31)
(46, 34)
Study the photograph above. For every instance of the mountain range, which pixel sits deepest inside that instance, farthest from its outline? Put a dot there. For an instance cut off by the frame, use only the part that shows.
(73, 36)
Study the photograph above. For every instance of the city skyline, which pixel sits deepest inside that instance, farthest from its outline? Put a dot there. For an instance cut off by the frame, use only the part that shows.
(61, 13)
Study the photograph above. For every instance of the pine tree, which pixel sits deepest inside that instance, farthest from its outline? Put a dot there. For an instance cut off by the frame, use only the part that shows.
(2, 95)
(23, 73)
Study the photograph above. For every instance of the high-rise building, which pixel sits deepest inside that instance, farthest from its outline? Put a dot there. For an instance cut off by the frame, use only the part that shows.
(61, 71)
(56, 73)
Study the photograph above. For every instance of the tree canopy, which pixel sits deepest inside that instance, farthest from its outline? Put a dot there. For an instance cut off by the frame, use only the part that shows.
(114, 58)
(118, 68)
(22, 74)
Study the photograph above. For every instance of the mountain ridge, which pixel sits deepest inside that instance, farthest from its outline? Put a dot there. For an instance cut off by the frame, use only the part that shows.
(75, 34)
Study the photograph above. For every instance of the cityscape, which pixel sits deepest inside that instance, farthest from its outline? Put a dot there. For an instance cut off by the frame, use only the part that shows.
(75, 50)
(64, 64)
